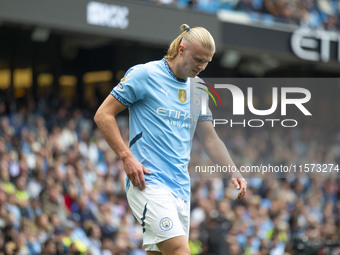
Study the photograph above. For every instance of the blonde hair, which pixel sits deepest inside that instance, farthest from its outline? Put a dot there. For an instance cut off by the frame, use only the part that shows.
(191, 35)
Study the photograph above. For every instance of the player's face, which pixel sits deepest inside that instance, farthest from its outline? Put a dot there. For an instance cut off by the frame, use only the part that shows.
(195, 59)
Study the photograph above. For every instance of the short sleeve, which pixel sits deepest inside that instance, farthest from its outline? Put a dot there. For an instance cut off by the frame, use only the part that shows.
(131, 87)
(206, 117)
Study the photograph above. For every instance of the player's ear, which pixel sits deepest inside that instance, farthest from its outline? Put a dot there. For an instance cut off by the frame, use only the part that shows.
(181, 49)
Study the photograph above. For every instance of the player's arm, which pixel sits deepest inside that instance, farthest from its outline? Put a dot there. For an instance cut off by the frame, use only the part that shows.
(105, 119)
(218, 153)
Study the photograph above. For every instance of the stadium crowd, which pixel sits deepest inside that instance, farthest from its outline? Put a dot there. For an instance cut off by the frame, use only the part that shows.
(62, 190)
(315, 14)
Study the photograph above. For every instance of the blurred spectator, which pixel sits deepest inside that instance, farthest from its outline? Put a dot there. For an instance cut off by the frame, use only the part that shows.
(94, 234)
(44, 227)
(52, 201)
(34, 184)
(195, 243)
(210, 6)
(82, 211)
(321, 14)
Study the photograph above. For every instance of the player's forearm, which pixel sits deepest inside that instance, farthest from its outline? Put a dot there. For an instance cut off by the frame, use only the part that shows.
(108, 126)
(218, 152)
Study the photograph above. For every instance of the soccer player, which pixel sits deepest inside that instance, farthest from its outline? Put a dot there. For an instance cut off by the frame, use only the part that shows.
(156, 161)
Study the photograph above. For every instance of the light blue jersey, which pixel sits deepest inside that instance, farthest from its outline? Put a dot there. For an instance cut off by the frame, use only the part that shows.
(160, 124)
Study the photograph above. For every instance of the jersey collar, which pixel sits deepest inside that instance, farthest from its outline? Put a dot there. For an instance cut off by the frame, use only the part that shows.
(171, 72)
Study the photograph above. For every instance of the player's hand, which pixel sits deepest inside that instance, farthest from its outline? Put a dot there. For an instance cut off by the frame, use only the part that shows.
(135, 172)
(240, 184)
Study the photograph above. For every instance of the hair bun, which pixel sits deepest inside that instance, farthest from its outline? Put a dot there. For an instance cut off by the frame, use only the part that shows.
(185, 27)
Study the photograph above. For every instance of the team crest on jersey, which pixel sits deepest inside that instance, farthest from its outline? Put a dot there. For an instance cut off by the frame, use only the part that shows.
(165, 224)
(182, 95)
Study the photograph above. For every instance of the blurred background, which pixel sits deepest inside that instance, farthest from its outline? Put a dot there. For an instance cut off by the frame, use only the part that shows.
(61, 187)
